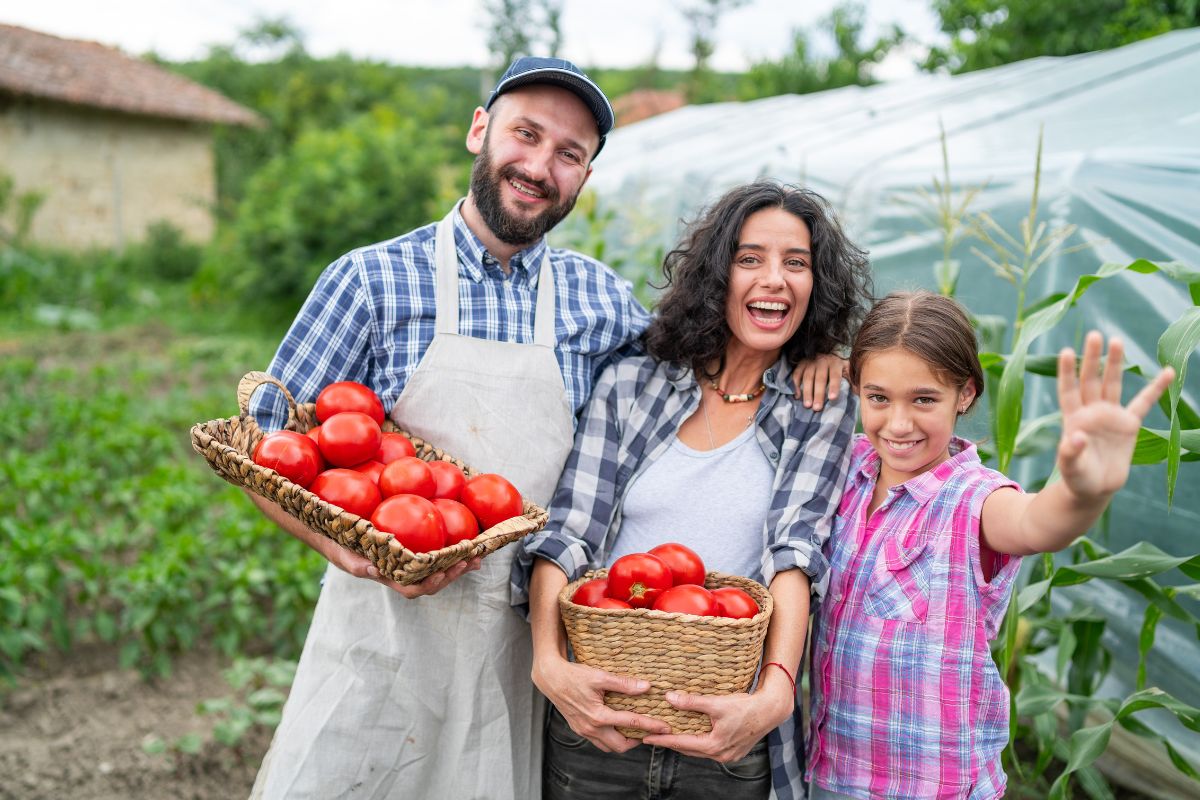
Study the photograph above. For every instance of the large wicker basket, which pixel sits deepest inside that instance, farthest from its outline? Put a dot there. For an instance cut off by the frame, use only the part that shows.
(227, 444)
(681, 652)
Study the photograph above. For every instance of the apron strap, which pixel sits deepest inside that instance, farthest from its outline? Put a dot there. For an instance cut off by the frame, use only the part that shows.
(446, 263)
(543, 323)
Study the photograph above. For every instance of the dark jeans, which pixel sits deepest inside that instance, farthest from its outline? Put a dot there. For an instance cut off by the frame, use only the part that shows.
(575, 769)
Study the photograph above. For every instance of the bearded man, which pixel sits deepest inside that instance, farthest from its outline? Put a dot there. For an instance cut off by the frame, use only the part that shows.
(481, 338)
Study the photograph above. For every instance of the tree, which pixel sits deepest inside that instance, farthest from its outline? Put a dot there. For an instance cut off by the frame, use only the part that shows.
(507, 26)
(987, 33)
(523, 28)
(702, 17)
(799, 72)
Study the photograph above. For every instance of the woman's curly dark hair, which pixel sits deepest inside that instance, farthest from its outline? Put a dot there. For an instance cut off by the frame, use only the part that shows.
(690, 327)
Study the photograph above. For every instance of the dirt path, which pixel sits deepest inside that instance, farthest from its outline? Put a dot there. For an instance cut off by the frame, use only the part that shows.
(74, 727)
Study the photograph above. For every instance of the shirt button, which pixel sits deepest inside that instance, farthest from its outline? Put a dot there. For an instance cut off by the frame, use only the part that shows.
(770, 375)
(774, 456)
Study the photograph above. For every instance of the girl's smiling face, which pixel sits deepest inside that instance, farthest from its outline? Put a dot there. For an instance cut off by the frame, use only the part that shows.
(908, 413)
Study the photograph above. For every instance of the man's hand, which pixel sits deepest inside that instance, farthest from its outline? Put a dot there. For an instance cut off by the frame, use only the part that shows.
(352, 563)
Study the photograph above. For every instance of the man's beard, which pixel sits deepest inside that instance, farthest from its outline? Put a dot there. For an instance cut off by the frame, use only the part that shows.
(486, 186)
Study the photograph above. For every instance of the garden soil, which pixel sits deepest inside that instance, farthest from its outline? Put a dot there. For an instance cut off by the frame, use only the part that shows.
(73, 727)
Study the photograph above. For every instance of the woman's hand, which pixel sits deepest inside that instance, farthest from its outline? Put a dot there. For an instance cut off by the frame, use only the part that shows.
(577, 691)
(1098, 433)
(738, 721)
(818, 379)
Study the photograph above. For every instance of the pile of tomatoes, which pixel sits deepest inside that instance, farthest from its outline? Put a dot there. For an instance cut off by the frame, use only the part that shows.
(347, 460)
(669, 577)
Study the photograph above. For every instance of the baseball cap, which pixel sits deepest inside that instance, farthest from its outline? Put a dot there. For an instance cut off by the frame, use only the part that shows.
(558, 72)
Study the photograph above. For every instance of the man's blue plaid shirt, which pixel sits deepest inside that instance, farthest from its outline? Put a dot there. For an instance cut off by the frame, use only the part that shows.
(371, 317)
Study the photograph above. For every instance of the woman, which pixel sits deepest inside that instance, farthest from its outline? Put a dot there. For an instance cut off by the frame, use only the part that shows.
(701, 442)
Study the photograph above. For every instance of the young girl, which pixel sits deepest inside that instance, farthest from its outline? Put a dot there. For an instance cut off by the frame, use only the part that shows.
(906, 700)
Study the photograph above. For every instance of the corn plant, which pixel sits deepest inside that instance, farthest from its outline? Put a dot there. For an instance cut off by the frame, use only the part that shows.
(1033, 625)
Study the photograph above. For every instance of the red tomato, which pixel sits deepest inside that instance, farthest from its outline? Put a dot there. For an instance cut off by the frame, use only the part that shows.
(492, 499)
(407, 475)
(372, 469)
(314, 433)
(292, 455)
(349, 396)
(590, 592)
(611, 602)
(351, 491)
(638, 579)
(349, 438)
(414, 521)
(687, 598)
(685, 565)
(393, 446)
(461, 525)
(734, 602)
(448, 478)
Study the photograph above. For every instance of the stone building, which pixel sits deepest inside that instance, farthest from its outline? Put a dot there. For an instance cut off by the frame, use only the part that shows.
(113, 143)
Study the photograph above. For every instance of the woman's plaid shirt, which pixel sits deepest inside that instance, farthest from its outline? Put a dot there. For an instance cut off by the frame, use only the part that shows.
(633, 416)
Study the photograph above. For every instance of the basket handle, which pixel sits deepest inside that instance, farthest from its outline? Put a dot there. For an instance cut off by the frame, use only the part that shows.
(250, 383)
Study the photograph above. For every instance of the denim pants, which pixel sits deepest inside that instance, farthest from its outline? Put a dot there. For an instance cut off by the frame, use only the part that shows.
(817, 793)
(575, 769)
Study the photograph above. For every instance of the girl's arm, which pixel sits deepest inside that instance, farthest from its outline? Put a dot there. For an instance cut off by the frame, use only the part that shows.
(740, 720)
(1094, 456)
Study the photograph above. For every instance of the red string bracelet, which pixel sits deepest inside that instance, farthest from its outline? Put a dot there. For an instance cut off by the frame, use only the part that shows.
(785, 672)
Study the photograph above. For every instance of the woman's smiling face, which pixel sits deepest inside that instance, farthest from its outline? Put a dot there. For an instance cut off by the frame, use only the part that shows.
(770, 280)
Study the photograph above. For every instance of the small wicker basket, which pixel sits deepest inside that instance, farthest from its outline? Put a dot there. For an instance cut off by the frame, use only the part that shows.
(681, 652)
(227, 444)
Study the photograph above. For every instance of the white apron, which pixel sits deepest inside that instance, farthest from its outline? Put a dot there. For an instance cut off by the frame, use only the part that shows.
(432, 698)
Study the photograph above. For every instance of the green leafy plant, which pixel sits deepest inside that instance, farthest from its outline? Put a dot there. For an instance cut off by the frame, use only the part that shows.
(1034, 625)
(260, 688)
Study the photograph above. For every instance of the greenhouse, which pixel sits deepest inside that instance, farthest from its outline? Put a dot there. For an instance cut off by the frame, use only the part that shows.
(1119, 138)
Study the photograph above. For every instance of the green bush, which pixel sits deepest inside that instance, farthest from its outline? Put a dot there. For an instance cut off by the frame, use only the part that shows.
(164, 254)
(372, 179)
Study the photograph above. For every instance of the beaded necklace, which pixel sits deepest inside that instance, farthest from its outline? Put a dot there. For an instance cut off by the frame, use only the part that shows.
(736, 398)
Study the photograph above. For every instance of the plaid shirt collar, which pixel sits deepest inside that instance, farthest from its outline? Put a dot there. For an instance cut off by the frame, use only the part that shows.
(925, 486)
(476, 261)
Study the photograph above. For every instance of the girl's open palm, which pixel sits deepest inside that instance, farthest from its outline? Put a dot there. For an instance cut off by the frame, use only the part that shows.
(1099, 433)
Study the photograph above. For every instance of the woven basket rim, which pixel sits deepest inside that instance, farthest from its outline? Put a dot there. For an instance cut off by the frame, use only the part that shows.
(215, 440)
(764, 608)
(530, 511)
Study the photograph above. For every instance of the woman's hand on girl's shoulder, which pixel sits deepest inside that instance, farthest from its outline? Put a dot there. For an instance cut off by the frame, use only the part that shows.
(819, 379)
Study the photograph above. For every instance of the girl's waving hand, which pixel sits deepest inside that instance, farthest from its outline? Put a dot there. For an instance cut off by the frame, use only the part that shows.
(1099, 433)
(1094, 454)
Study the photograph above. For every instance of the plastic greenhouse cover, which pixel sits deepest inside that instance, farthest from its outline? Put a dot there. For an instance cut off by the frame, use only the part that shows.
(1121, 161)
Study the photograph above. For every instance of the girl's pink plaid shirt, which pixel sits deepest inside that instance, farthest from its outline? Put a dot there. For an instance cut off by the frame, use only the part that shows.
(906, 700)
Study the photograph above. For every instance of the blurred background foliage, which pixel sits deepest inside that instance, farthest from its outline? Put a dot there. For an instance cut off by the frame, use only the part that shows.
(113, 530)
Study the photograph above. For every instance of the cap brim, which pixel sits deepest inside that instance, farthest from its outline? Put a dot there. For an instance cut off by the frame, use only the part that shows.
(580, 86)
